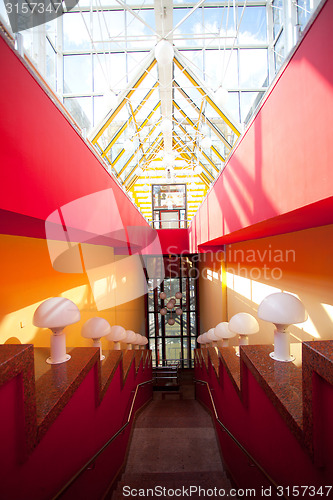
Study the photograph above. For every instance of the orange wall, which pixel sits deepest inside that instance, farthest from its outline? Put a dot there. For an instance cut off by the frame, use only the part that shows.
(28, 278)
(299, 263)
(212, 296)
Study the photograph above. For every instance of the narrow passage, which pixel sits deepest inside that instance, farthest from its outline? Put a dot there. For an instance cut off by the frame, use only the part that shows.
(173, 451)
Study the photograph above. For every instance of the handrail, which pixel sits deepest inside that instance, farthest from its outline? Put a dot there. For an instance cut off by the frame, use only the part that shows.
(87, 464)
(244, 450)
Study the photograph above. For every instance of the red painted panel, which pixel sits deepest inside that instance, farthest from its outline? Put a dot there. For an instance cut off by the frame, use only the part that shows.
(173, 241)
(45, 162)
(283, 161)
(255, 422)
(80, 430)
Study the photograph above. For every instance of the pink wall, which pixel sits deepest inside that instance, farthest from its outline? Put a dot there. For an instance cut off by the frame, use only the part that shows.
(282, 164)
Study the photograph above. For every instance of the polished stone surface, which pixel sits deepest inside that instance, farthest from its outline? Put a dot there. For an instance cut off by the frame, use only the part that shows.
(282, 383)
(288, 385)
(317, 358)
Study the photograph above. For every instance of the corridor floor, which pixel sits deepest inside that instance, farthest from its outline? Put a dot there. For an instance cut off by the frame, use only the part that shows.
(174, 447)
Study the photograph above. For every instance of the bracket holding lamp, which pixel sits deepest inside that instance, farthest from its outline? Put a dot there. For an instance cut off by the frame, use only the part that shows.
(95, 329)
(282, 309)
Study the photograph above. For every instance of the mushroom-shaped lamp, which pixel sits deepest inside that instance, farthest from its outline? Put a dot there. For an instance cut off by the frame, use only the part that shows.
(201, 341)
(130, 338)
(94, 329)
(282, 309)
(205, 339)
(212, 337)
(243, 324)
(143, 342)
(117, 334)
(56, 313)
(137, 341)
(223, 333)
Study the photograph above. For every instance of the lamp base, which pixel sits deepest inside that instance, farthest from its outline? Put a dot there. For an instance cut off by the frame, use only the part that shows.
(288, 360)
(66, 358)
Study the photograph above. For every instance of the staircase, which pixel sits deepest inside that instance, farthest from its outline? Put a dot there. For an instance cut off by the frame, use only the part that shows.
(174, 451)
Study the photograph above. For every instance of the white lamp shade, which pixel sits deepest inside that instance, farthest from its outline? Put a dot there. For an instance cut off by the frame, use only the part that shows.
(205, 339)
(117, 334)
(222, 331)
(56, 313)
(164, 52)
(95, 328)
(199, 339)
(138, 339)
(144, 340)
(243, 324)
(130, 337)
(282, 309)
(211, 335)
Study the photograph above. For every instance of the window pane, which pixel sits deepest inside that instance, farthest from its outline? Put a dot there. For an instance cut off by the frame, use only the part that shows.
(253, 27)
(249, 102)
(253, 68)
(173, 349)
(279, 51)
(76, 36)
(81, 110)
(277, 7)
(51, 65)
(221, 68)
(77, 74)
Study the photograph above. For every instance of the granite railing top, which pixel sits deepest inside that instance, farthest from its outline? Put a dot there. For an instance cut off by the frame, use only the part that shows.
(288, 386)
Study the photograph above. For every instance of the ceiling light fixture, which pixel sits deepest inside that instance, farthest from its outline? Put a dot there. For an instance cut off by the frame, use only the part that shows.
(164, 52)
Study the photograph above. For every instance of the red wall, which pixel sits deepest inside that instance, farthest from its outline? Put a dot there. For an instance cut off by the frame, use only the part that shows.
(252, 418)
(45, 163)
(282, 163)
(173, 241)
(77, 434)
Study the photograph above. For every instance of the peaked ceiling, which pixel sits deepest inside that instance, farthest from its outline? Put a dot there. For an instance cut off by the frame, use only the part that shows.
(166, 127)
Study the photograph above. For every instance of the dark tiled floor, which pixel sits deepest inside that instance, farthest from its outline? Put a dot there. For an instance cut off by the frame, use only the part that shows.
(173, 446)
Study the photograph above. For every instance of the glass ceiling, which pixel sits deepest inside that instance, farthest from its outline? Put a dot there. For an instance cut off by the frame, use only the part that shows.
(164, 121)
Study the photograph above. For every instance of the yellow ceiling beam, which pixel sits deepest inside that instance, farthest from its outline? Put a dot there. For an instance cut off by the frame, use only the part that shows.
(209, 100)
(216, 131)
(201, 164)
(185, 132)
(123, 102)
